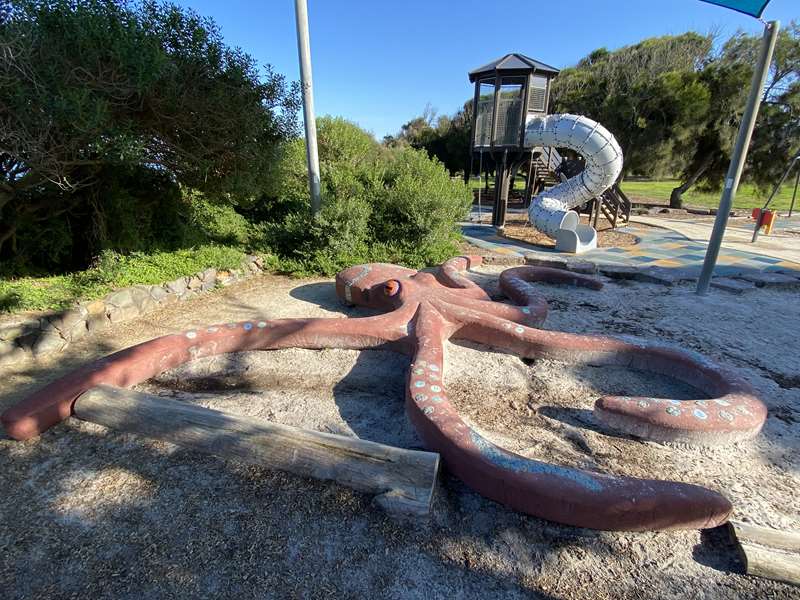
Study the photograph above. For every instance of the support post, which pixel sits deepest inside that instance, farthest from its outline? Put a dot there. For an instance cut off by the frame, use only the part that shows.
(739, 154)
(501, 180)
(794, 193)
(312, 156)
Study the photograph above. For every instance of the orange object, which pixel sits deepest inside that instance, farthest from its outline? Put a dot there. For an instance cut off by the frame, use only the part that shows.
(764, 218)
(768, 220)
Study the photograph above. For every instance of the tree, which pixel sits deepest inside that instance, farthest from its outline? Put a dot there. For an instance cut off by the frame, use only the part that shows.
(448, 139)
(776, 136)
(648, 95)
(90, 85)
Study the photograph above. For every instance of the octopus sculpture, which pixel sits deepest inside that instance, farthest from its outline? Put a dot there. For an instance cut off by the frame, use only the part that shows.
(422, 311)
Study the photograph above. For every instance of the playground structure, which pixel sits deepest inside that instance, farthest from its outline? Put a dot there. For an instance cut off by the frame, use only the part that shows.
(423, 311)
(764, 217)
(512, 125)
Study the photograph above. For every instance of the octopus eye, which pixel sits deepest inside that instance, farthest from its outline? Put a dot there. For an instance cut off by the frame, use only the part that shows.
(392, 287)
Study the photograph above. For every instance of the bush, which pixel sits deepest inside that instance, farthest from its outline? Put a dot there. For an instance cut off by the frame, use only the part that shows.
(110, 271)
(378, 204)
(108, 108)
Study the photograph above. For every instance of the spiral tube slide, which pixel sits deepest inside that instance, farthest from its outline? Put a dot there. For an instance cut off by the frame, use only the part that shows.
(550, 211)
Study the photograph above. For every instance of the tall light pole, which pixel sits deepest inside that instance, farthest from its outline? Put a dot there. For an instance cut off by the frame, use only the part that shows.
(304, 50)
(739, 154)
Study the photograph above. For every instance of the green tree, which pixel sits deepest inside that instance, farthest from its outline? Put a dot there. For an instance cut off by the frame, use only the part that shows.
(446, 138)
(87, 86)
(649, 95)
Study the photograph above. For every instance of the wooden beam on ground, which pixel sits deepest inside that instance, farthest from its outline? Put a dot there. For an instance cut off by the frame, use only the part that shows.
(403, 480)
(768, 553)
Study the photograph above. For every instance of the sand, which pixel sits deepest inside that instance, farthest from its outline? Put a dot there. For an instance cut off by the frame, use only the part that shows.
(85, 511)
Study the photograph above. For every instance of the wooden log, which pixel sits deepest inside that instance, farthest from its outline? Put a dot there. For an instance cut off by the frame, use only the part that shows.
(403, 480)
(768, 553)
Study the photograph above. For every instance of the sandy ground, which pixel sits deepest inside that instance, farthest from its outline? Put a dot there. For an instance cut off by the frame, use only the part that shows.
(87, 512)
(518, 227)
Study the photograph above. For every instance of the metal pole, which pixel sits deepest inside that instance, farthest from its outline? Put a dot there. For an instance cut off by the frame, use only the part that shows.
(739, 154)
(304, 50)
(794, 193)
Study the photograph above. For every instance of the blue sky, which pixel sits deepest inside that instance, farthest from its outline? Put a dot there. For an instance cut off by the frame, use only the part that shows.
(379, 63)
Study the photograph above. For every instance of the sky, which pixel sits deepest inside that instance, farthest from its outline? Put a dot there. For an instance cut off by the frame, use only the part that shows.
(379, 63)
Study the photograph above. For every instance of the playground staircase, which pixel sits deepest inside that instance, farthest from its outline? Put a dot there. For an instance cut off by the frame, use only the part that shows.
(544, 169)
(551, 168)
(614, 205)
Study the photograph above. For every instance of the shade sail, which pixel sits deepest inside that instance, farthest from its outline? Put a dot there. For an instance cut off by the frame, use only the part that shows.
(754, 8)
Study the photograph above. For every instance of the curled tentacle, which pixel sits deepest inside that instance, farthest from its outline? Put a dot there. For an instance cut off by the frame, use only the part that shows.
(730, 413)
(564, 494)
(53, 403)
(516, 284)
(449, 274)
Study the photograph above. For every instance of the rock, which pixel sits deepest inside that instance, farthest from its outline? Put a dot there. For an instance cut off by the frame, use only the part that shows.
(76, 332)
(584, 267)
(618, 271)
(770, 279)
(12, 356)
(226, 278)
(735, 286)
(195, 283)
(71, 324)
(122, 305)
(18, 329)
(97, 322)
(48, 342)
(68, 319)
(178, 286)
(158, 294)
(657, 275)
(142, 298)
(209, 280)
(95, 307)
(7, 347)
(538, 260)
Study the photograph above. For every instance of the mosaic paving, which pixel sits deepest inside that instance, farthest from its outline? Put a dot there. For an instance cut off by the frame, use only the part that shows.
(656, 248)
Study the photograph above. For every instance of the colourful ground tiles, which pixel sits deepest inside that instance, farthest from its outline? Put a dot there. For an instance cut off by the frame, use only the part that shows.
(656, 248)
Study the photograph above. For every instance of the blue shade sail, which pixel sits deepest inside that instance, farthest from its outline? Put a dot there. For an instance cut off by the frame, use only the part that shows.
(754, 8)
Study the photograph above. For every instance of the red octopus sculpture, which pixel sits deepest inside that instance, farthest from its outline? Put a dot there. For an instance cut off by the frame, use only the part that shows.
(425, 310)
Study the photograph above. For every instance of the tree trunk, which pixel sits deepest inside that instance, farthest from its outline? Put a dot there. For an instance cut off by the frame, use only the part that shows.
(676, 197)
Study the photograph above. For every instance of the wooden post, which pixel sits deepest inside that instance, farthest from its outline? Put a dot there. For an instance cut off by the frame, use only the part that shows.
(768, 553)
(402, 479)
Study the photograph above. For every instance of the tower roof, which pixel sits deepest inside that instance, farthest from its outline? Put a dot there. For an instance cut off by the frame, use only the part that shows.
(510, 64)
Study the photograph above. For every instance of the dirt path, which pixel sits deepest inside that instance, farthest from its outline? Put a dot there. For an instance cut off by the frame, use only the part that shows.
(88, 512)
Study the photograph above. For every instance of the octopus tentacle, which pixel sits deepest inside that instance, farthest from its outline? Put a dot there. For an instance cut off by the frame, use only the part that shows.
(53, 403)
(449, 273)
(731, 412)
(516, 284)
(559, 493)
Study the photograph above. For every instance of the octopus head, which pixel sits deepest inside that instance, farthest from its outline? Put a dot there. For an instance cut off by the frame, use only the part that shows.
(373, 284)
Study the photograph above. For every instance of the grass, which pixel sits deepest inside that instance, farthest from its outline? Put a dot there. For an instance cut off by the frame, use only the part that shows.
(112, 271)
(747, 196)
(474, 184)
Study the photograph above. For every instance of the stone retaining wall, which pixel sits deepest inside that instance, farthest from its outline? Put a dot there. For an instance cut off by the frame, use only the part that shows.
(31, 336)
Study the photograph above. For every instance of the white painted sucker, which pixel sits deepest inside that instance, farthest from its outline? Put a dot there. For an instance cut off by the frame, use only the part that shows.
(550, 210)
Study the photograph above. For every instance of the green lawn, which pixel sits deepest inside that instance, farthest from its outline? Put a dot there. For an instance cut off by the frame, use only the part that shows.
(747, 196)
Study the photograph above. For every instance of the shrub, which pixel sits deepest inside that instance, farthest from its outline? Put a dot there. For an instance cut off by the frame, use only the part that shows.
(378, 204)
